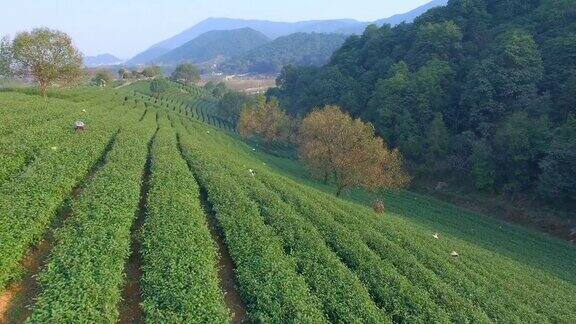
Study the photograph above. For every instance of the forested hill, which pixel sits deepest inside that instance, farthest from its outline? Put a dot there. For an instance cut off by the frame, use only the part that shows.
(299, 49)
(480, 90)
(225, 43)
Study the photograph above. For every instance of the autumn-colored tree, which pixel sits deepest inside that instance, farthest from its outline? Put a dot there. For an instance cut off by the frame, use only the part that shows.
(266, 119)
(334, 144)
(48, 56)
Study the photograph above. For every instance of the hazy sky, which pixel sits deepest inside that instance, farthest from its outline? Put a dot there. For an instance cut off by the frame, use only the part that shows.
(126, 27)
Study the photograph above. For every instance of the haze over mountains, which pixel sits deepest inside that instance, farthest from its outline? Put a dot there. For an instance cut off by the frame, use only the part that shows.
(100, 60)
(272, 29)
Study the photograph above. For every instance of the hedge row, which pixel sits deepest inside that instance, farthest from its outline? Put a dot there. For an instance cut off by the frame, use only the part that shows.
(30, 200)
(344, 297)
(269, 284)
(180, 276)
(83, 279)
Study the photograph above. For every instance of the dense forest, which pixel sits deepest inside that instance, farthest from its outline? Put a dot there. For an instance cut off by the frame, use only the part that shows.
(299, 49)
(483, 91)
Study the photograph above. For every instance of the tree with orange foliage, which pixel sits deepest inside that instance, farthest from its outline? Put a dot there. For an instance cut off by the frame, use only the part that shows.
(334, 144)
(265, 119)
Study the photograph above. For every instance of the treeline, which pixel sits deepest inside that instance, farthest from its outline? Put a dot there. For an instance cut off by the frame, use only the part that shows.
(480, 90)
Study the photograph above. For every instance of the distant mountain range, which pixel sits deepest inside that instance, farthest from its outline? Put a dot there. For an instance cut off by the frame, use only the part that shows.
(273, 29)
(101, 60)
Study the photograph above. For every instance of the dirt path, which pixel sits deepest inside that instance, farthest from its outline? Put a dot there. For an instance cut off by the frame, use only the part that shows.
(17, 301)
(129, 308)
(225, 265)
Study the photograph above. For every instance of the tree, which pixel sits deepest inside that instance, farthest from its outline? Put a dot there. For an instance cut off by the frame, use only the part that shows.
(438, 139)
(124, 74)
(186, 73)
(483, 168)
(231, 104)
(334, 144)
(159, 85)
(5, 58)
(265, 119)
(557, 182)
(48, 56)
(519, 144)
(102, 78)
(152, 71)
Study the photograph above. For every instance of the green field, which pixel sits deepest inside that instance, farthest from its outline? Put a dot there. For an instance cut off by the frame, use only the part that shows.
(154, 177)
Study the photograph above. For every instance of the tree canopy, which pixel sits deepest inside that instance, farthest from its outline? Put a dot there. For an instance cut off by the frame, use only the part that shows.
(347, 150)
(265, 119)
(48, 56)
(102, 78)
(186, 73)
(472, 91)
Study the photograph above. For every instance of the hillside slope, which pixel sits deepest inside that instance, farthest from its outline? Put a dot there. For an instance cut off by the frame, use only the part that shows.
(210, 45)
(149, 180)
(477, 94)
(299, 49)
(271, 29)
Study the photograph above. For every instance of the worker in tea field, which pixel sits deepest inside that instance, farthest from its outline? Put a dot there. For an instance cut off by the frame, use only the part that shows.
(79, 126)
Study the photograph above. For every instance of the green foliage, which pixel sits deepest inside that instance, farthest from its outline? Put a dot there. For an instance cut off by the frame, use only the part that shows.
(102, 78)
(268, 279)
(300, 254)
(477, 63)
(298, 49)
(186, 73)
(231, 104)
(437, 139)
(5, 58)
(92, 247)
(38, 174)
(483, 168)
(557, 182)
(177, 243)
(48, 56)
(159, 85)
(152, 71)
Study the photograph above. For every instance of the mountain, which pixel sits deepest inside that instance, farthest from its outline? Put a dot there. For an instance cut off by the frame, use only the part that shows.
(148, 55)
(100, 60)
(271, 29)
(411, 15)
(298, 49)
(213, 44)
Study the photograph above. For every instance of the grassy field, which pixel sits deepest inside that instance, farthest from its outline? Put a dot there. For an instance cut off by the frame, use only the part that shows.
(160, 213)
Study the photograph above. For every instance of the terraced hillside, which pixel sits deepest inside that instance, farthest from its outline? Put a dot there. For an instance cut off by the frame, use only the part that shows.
(153, 215)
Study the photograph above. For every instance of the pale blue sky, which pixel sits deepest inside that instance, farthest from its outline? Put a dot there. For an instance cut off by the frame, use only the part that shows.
(126, 27)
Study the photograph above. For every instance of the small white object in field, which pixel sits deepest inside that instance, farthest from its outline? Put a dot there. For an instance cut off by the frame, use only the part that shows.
(83, 110)
(263, 163)
(454, 254)
(251, 172)
(207, 132)
(436, 236)
(54, 148)
(79, 125)
(254, 150)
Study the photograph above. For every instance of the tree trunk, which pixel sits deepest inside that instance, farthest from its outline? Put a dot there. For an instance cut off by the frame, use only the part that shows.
(326, 177)
(42, 86)
(339, 191)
